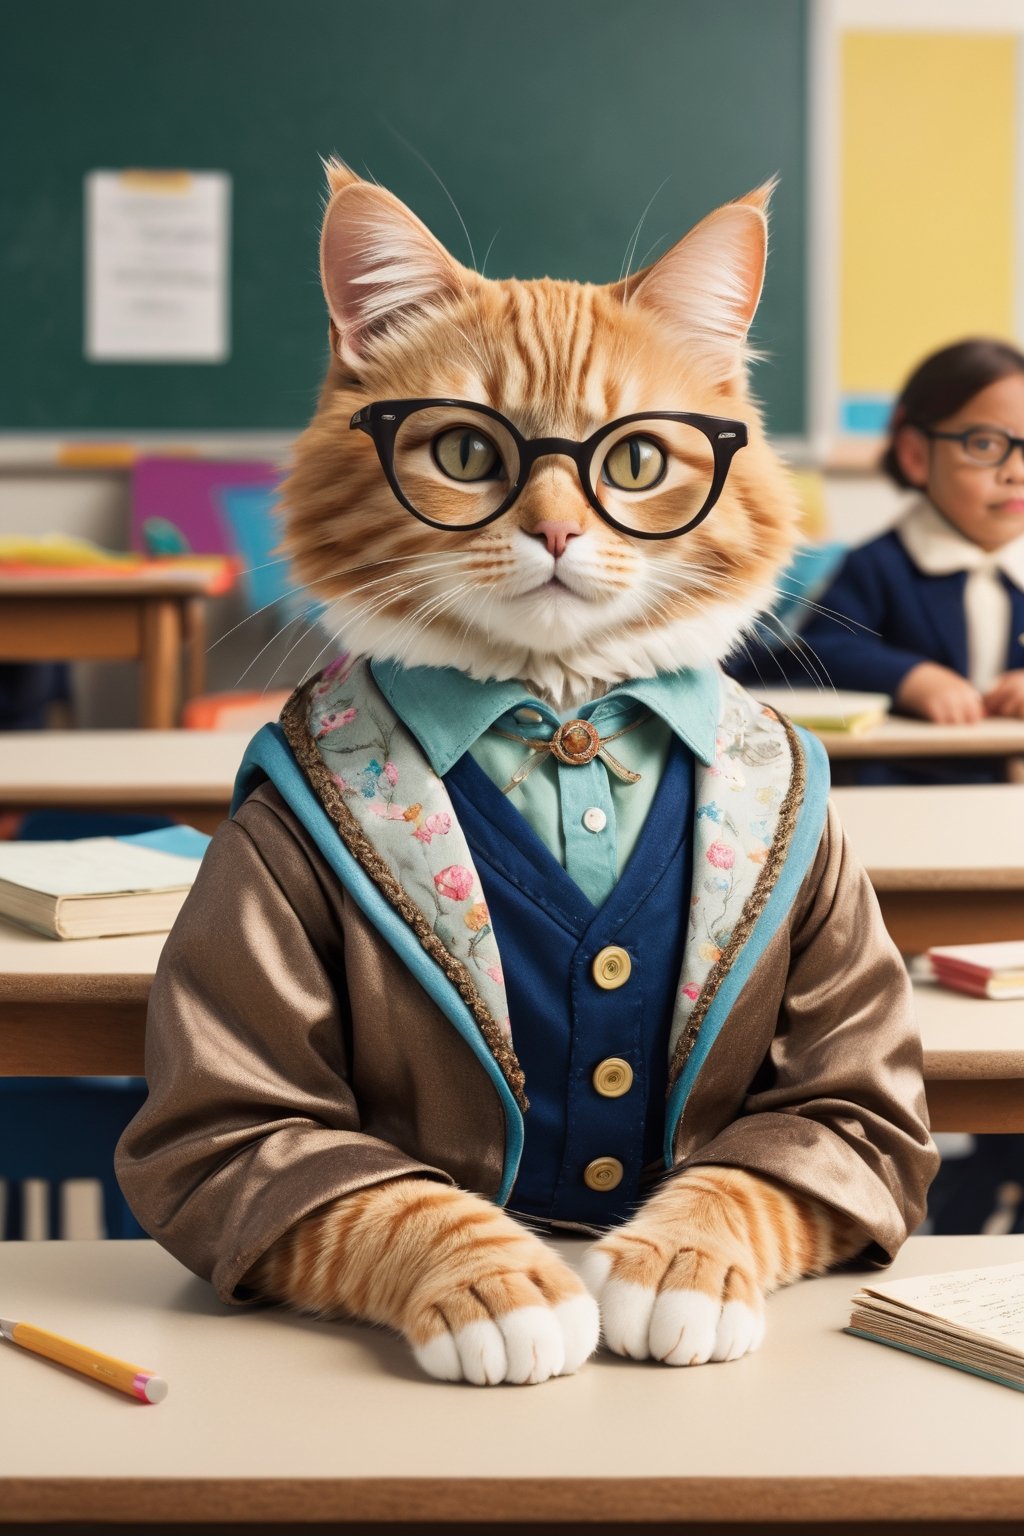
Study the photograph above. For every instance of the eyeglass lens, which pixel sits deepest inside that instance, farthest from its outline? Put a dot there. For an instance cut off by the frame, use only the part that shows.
(987, 446)
(457, 466)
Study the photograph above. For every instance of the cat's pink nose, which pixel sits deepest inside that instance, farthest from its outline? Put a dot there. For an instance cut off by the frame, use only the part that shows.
(556, 535)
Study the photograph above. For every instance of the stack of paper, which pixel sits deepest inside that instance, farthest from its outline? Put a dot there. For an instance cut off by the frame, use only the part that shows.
(827, 709)
(92, 887)
(972, 1319)
(983, 970)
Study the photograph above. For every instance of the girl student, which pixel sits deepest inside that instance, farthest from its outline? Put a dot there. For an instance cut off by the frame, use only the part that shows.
(932, 611)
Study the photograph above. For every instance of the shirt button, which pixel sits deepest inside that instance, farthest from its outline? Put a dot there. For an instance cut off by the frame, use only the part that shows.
(603, 1173)
(594, 819)
(613, 1077)
(611, 967)
(527, 716)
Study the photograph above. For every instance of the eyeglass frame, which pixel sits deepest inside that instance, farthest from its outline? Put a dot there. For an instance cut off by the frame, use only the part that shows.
(961, 437)
(381, 420)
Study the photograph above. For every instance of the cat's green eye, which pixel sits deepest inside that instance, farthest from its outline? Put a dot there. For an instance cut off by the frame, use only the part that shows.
(465, 454)
(634, 464)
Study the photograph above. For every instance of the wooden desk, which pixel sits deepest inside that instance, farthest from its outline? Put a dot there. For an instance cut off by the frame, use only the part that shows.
(973, 1059)
(74, 1006)
(149, 617)
(900, 737)
(947, 863)
(187, 775)
(79, 1006)
(286, 1420)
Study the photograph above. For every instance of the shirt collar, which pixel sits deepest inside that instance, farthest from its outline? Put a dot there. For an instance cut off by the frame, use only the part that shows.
(447, 711)
(938, 548)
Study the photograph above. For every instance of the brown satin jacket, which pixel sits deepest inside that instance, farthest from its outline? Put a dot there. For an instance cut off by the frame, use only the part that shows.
(294, 1054)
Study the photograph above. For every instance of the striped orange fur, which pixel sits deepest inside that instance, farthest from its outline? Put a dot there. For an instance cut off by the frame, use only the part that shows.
(684, 1282)
(477, 1296)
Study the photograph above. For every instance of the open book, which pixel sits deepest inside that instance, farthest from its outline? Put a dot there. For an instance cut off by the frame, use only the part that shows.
(93, 887)
(983, 970)
(972, 1319)
(827, 709)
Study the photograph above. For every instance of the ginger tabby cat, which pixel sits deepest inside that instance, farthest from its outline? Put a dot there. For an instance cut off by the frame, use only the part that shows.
(464, 538)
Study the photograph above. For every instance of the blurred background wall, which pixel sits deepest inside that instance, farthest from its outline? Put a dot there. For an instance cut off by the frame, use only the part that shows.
(569, 139)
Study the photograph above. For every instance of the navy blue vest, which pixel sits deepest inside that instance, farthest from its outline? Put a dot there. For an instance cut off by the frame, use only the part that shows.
(563, 1023)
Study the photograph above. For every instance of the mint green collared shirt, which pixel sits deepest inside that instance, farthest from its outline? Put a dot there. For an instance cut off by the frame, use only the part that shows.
(586, 816)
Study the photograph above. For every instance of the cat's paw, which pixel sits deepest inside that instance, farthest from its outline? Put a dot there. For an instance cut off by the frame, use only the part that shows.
(677, 1304)
(513, 1326)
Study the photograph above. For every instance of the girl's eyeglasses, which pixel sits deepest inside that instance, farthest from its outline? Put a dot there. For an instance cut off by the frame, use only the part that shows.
(982, 445)
(458, 465)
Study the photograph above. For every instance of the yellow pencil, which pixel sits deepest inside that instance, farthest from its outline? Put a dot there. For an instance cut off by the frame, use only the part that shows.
(133, 1379)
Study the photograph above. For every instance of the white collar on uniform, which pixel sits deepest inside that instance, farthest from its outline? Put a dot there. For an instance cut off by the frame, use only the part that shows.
(937, 548)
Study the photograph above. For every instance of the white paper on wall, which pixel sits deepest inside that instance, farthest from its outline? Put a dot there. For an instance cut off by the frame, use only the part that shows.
(156, 267)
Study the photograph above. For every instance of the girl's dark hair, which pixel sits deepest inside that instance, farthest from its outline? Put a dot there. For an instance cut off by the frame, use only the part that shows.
(944, 382)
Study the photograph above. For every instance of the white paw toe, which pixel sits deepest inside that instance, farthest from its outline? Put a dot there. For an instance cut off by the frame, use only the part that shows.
(534, 1345)
(740, 1331)
(595, 1268)
(482, 1353)
(683, 1327)
(580, 1324)
(439, 1358)
(626, 1317)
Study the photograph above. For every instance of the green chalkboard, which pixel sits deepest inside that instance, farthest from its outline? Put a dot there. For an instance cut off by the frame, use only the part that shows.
(551, 122)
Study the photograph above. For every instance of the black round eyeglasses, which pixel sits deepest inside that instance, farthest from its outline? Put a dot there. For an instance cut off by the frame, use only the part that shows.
(458, 465)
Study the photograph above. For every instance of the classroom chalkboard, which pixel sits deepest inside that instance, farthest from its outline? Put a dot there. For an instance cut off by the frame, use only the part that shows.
(552, 124)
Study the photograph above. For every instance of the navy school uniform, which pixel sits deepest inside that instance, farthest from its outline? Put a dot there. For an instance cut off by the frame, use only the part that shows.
(886, 615)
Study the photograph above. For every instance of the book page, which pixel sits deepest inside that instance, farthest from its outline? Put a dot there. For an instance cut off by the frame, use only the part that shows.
(93, 866)
(986, 1302)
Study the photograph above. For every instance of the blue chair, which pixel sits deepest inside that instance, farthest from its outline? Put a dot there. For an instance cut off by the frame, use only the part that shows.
(60, 1128)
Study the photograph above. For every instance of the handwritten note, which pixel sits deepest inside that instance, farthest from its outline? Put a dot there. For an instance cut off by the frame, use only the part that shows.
(986, 1302)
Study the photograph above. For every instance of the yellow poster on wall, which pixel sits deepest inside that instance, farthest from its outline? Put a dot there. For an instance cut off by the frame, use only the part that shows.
(927, 208)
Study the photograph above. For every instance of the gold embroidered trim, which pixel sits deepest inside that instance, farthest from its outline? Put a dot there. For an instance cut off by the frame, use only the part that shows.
(755, 903)
(293, 721)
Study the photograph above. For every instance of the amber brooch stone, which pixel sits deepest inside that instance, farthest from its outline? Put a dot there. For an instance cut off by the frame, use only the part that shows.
(575, 742)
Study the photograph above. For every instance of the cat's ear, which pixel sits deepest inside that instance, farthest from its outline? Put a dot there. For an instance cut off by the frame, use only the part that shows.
(379, 265)
(706, 287)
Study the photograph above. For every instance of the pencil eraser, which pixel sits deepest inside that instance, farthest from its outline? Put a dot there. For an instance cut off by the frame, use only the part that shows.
(151, 1389)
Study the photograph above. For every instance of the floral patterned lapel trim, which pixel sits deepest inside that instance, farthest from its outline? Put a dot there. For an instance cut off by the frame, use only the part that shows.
(745, 809)
(395, 816)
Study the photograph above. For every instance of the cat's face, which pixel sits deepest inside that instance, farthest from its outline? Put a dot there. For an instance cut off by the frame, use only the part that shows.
(549, 592)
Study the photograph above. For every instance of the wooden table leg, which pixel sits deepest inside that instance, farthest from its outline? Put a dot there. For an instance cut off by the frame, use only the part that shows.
(195, 646)
(161, 663)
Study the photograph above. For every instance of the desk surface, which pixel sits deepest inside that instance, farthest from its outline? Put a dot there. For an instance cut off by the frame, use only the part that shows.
(35, 969)
(119, 768)
(154, 579)
(955, 838)
(901, 737)
(274, 1416)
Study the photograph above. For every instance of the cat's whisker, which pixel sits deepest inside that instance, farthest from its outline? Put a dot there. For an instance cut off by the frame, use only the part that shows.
(287, 625)
(634, 241)
(309, 629)
(807, 659)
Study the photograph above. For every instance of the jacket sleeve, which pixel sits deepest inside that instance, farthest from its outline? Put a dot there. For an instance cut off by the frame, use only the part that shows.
(849, 639)
(250, 1122)
(838, 1109)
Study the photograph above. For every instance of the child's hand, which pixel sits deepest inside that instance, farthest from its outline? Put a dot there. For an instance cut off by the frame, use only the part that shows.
(935, 693)
(1006, 696)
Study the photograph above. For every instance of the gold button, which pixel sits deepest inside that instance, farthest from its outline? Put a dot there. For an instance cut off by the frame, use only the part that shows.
(611, 967)
(613, 1077)
(603, 1173)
